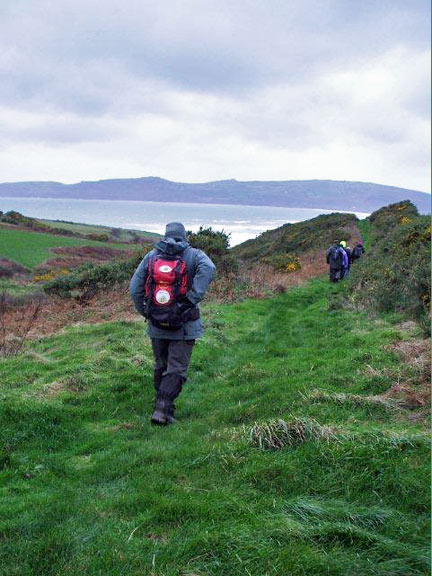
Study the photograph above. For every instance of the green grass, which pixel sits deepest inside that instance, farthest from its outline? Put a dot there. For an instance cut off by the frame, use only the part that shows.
(366, 229)
(32, 248)
(90, 487)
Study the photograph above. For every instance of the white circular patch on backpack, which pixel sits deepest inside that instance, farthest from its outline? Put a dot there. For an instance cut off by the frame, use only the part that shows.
(163, 296)
(165, 268)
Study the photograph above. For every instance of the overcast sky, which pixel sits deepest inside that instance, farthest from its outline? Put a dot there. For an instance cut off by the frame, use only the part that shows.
(199, 90)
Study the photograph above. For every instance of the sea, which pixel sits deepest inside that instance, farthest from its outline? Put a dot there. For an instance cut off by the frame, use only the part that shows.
(240, 221)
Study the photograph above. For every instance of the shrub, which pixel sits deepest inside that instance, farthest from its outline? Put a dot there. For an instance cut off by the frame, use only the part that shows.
(284, 262)
(89, 278)
(316, 235)
(45, 277)
(99, 237)
(395, 275)
(216, 245)
(387, 218)
(13, 217)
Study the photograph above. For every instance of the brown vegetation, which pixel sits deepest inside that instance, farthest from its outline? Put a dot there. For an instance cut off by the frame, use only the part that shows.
(413, 390)
(109, 306)
(8, 269)
(74, 256)
(260, 280)
(256, 281)
(16, 324)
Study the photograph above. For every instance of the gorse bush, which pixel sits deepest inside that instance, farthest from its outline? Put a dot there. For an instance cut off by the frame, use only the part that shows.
(395, 274)
(49, 275)
(216, 245)
(90, 278)
(284, 262)
(387, 218)
(316, 234)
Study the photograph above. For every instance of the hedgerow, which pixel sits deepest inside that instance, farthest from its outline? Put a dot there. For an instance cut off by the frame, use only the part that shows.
(90, 278)
(395, 274)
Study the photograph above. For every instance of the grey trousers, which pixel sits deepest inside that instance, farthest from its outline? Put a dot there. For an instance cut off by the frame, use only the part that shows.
(172, 358)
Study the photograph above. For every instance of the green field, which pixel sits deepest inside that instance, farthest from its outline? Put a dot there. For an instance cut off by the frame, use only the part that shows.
(90, 487)
(124, 234)
(33, 248)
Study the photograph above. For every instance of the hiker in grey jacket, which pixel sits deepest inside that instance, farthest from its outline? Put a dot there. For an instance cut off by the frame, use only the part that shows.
(172, 311)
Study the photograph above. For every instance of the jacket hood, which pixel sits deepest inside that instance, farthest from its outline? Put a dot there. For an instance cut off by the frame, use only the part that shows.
(171, 246)
(175, 230)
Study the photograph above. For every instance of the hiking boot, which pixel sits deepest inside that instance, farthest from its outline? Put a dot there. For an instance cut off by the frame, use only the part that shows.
(170, 416)
(161, 414)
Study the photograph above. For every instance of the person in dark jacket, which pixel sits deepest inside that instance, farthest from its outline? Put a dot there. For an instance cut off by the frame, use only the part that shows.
(335, 259)
(172, 348)
(358, 251)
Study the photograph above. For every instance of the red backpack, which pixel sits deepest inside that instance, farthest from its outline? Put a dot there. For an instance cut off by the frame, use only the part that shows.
(166, 287)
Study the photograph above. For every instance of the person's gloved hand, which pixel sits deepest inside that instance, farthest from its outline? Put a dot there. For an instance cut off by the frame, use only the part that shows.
(145, 309)
(184, 305)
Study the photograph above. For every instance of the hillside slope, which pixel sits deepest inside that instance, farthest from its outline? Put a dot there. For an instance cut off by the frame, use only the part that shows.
(67, 228)
(325, 194)
(33, 248)
(91, 488)
(395, 274)
(315, 235)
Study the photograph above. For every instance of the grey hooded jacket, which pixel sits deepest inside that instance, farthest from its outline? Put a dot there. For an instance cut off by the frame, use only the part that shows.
(200, 272)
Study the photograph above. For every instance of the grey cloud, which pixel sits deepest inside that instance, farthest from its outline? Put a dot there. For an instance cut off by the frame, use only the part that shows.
(201, 74)
(226, 46)
(62, 131)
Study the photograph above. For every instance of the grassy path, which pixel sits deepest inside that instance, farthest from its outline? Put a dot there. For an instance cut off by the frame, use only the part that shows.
(89, 487)
(365, 229)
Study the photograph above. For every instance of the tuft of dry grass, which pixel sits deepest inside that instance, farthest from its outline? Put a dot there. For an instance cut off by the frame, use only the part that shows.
(340, 399)
(411, 382)
(123, 426)
(278, 434)
(53, 389)
(413, 390)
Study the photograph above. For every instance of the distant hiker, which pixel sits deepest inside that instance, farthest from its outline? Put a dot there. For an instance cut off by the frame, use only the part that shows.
(358, 251)
(335, 259)
(346, 261)
(166, 289)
